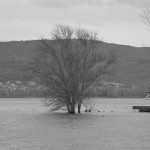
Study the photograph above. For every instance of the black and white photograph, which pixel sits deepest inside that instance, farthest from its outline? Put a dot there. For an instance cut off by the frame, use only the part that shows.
(74, 74)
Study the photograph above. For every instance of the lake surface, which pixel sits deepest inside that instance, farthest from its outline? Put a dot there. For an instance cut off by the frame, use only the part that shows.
(25, 124)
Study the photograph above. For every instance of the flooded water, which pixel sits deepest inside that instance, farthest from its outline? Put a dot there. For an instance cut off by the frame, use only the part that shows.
(25, 124)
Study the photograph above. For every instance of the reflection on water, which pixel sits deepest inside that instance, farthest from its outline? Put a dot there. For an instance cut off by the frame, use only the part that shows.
(25, 124)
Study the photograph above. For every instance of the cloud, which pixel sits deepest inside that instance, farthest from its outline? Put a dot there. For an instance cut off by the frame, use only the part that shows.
(115, 19)
(67, 3)
(135, 3)
(72, 3)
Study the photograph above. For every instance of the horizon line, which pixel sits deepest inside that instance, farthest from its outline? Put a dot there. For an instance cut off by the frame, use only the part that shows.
(98, 40)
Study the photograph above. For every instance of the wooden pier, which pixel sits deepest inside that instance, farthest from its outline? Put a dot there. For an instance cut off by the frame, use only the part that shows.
(142, 108)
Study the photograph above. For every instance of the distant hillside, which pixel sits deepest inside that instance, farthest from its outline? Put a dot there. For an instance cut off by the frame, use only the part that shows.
(132, 67)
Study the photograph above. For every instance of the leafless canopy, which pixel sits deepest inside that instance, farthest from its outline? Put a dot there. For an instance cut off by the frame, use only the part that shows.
(146, 17)
(69, 64)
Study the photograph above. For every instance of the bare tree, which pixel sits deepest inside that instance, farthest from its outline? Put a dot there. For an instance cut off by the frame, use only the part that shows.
(146, 17)
(69, 64)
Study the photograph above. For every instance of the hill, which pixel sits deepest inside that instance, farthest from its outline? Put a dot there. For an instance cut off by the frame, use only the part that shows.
(132, 67)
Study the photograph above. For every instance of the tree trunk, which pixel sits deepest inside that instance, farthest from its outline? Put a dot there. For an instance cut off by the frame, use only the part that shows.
(72, 106)
(79, 107)
(68, 107)
(72, 110)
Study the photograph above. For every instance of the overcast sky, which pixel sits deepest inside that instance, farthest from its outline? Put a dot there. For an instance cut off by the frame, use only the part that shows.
(117, 21)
